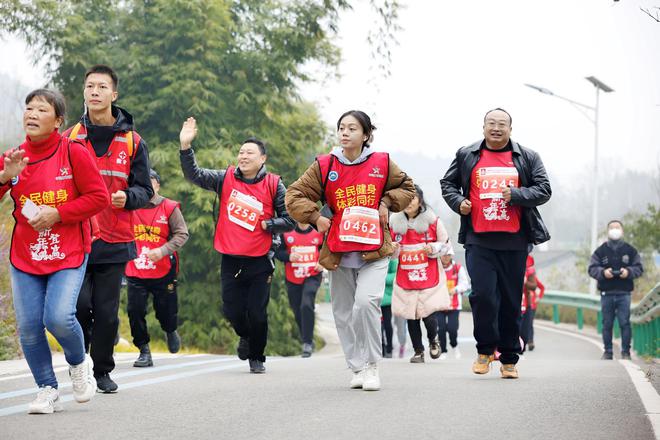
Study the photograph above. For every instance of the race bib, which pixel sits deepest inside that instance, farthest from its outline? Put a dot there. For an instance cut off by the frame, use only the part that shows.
(413, 256)
(309, 256)
(492, 180)
(360, 225)
(244, 210)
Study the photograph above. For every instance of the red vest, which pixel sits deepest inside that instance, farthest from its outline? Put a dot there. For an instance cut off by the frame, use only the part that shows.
(242, 208)
(349, 189)
(456, 301)
(490, 213)
(47, 182)
(151, 231)
(307, 244)
(115, 224)
(416, 271)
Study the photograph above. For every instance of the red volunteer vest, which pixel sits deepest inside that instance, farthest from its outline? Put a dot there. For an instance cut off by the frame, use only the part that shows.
(490, 213)
(151, 231)
(47, 182)
(456, 301)
(115, 225)
(242, 208)
(353, 192)
(416, 271)
(308, 245)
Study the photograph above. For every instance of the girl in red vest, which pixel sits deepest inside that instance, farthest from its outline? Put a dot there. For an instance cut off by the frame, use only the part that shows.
(457, 284)
(300, 255)
(56, 188)
(533, 290)
(420, 287)
(359, 186)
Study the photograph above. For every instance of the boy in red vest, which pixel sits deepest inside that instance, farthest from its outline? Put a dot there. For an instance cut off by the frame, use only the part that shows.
(160, 231)
(300, 255)
(457, 284)
(533, 290)
(123, 161)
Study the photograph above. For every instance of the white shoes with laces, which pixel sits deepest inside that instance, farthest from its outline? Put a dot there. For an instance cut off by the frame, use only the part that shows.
(371, 378)
(82, 380)
(47, 402)
(357, 380)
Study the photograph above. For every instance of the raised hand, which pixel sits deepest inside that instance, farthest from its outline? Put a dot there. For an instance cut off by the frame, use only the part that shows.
(188, 133)
(14, 163)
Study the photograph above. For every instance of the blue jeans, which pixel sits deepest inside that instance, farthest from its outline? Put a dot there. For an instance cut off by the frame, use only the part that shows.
(619, 305)
(48, 301)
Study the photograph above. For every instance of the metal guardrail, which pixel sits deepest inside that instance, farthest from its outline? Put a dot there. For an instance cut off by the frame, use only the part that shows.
(644, 316)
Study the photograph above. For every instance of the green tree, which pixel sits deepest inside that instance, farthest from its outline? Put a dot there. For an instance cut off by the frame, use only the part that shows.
(234, 65)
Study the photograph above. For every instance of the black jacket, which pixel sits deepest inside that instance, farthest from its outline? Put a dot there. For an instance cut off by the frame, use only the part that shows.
(615, 255)
(212, 180)
(139, 190)
(534, 188)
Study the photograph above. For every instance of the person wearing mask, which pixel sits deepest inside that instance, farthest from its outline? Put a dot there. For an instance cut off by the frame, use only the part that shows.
(251, 210)
(495, 185)
(457, 284)
(359, 187)
(615, 265)
(420, 287)
(160, 232)
(533, 292)
(303, 273)
(56, 188)
(123, 162)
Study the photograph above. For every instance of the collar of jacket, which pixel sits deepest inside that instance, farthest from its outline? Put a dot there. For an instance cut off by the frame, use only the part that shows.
(399, 222)
(476, 147)
(123, 120)
(260, 175)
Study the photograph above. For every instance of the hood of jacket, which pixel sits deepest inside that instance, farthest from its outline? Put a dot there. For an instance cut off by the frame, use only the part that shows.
(123, 120)
(338, 152)
(400, 223)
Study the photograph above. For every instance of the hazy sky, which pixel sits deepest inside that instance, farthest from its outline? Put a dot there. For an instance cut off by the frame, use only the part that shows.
(457, 59)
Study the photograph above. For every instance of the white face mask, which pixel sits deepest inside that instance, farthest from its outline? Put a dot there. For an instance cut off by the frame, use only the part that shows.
(615, 233)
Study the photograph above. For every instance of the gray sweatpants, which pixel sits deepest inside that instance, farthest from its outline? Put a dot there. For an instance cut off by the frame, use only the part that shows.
(356, 297)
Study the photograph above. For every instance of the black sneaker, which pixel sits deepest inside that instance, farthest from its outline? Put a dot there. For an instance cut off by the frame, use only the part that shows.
(243, 349)
(144, 360)
(625, 355)
(106, 385)
(173, 341)
(307, 350)
(257, 367)
(418, 357)
(607, 356)
(530, 346)
(434, 349)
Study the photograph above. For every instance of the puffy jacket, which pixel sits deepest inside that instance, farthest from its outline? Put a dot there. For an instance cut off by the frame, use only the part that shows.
(534, 188)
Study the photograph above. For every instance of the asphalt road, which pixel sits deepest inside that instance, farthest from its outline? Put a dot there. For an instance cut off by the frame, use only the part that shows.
(564, 392)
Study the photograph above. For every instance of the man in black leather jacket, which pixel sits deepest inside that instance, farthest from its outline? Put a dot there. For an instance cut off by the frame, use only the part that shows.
(495, 185)
(251, 210)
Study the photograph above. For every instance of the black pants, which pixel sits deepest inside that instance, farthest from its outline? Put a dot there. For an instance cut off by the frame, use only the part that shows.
(302, 298)
(527, 327)
(386, 328)
(97, 312)
(245, 295)
(447, 323)
(415, 331)
(164, 300)
(497, 285)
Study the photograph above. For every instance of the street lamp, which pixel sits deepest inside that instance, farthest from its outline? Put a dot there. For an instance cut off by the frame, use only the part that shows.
(593, 117)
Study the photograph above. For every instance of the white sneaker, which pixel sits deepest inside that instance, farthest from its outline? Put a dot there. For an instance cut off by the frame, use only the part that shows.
(371, 378)
(443, 356)
(357, 380)
(47, 402)
(457, 352)
(82, 380)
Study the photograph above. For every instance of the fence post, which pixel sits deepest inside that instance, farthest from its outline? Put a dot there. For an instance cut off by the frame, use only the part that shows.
(616, 329)
(555, 313)
(580, 318)
(599, 324)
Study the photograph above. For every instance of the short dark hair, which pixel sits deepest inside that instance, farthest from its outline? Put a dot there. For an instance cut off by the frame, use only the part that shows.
(364, 120)
(420, 195)
(52, 97)
(615, 221)
(261, 144)
(502, 110)
(154, 175)
(107, 70)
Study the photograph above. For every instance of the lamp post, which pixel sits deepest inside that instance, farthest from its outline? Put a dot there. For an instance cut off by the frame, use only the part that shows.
(591, 112)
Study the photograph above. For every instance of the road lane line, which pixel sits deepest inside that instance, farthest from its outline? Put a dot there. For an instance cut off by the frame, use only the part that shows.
(150, 370)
